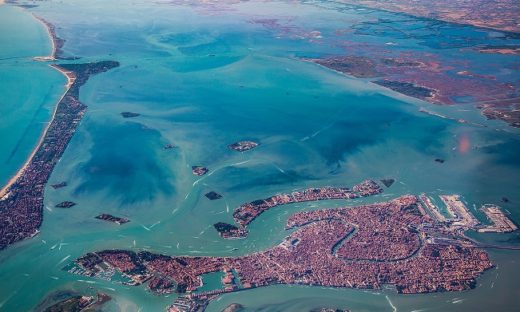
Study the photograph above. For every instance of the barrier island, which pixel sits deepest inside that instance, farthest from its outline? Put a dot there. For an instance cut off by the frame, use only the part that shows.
(21, 200)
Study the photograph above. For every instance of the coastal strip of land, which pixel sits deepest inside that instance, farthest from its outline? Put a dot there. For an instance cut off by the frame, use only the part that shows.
(21, 204)
(52, 37)
(21, 199)
(55, 40)
(71, 77)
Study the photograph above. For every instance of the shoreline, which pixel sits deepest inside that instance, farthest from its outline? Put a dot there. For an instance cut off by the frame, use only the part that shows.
(52, 36)
(488, 109)
(21, 208)
(70, 80)
(71, 77)
(22, 198)
(312, 245)
(441, 19)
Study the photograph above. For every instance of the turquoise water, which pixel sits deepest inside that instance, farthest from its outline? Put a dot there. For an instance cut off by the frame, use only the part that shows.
(203, 77)
(23, 114)
(211, 281)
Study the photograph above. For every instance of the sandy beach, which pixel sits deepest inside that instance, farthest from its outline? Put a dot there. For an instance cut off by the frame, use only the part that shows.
(70, 80)
(52, 38)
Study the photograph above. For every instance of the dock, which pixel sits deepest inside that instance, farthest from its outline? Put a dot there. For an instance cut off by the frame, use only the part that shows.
(500, 221)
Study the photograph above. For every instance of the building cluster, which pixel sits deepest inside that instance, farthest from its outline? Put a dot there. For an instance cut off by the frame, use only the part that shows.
(21, 208)
(199, 170)
(230, 231)
(190, 304)
(433, 210)
(243, 146)
(460, 215)
(161, 285)
(460, 218)
(360, 247)
(500, 222)
(246, 213)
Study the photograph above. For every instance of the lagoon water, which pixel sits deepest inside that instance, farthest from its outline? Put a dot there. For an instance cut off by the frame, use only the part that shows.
(203, 76)
(28, 90)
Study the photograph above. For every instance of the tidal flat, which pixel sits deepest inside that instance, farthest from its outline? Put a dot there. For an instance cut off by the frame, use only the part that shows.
(204, 76)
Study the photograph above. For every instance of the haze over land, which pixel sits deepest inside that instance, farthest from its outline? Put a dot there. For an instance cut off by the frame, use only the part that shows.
(495, 14)
(159, 155)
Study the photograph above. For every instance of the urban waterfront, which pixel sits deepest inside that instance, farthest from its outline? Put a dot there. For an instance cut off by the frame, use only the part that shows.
(201, 77)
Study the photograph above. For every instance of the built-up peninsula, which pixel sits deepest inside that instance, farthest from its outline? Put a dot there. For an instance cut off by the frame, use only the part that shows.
(21, 200)
(402, 242)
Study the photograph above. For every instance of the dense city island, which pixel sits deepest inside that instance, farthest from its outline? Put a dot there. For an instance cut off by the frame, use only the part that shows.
(408, 242)
(246, 213)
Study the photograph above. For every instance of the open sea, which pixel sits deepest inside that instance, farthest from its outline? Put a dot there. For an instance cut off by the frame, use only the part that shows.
(205, 75)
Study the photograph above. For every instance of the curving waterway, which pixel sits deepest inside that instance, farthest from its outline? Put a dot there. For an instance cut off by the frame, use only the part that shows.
(202, 77)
